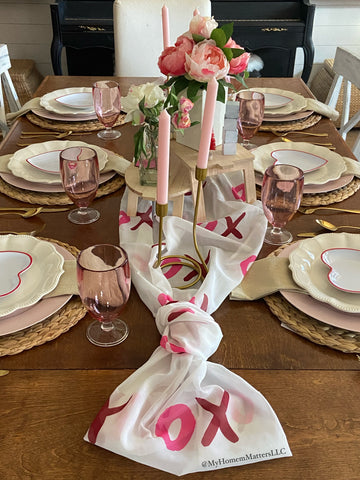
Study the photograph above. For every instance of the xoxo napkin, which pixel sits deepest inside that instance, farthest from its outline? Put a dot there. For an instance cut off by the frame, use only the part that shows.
(179, 412)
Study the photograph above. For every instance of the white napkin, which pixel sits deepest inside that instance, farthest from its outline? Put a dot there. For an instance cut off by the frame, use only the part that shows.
(321, 108)
(224, 421)
(33, 103)
(352, 167)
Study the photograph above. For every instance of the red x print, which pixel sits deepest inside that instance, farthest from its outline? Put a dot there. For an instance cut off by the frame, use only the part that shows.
(232, 226)
(101, 417)
(144, 218)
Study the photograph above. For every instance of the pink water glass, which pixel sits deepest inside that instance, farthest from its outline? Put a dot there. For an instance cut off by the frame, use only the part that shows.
(79, 169)
(281, 195)
(107, 104)
(251, 114)
(104, 280)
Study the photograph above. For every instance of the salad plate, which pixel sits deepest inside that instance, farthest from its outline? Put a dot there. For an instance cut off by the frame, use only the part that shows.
(50, 103)
(41, 276)
(344, 268)
(46, 155)
(316, 309)
(275, 100)
(26, 317)
(296, 102)
(82, 117)
(80, 100)
(331, 170)
(307, 162)
(311, 273)
(12, 265)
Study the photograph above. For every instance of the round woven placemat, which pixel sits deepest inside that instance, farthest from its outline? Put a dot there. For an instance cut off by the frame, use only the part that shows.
(51, 328)
(42, 198)
(310, 328)
(83, 126)
(308, 122)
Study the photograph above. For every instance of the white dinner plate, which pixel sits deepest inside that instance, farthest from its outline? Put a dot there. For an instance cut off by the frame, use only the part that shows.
(331, 170)
(49, 102)
(81, 100)
(84, 117)
(307, 162)
(310, 272)
(21, 167)
(275, 100)
(297, 103)
(291, 117)
(319, 310)
(40, 278)
(27, 317)
(12, 265)
(344, 268)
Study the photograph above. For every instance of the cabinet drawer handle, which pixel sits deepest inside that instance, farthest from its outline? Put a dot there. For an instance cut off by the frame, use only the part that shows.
(274, 29)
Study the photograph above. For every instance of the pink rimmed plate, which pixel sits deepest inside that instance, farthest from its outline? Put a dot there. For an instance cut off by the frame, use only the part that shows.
(12, 265)
(78, 100)
(344, 265)
(306, 161)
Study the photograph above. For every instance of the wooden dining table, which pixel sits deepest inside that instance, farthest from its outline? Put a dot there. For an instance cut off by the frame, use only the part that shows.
(50, 394)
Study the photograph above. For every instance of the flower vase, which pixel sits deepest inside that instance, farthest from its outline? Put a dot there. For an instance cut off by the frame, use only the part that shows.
(148, 159)
(191, 136)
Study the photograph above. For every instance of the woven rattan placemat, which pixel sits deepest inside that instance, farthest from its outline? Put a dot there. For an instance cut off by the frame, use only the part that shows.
(84, 126)
(310, 328)
(308, 122)
(41, 198)
(51, 328)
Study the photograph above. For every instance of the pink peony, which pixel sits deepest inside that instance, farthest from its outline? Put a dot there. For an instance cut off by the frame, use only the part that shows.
(202, 25)
(185, 104)
(206, 61)
(172, 60)
(238, 64)
(181, 120)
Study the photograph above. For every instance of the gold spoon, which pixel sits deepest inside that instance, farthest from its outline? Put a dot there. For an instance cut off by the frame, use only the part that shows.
(312, 210)
(284, 134)
(32, 233)
(329, 145)
(56, 135)
(30, 212)
(332, 227)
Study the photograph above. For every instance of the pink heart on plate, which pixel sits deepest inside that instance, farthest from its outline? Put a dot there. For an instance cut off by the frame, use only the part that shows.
(12, 265)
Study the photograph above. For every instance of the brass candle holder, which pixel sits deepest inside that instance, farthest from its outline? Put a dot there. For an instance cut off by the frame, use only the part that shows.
(161, 212)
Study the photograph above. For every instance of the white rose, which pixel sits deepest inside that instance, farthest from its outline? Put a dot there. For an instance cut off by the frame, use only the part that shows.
(130, 104)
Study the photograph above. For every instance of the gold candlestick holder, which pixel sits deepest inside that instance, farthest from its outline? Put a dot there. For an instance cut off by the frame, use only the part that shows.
(161, 212)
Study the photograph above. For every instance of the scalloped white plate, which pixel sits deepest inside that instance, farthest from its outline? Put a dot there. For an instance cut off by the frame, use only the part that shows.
(12, 265)
(40, 278)
(275, 100)
(344, 264)
(48, 101)
(306, 161)
(296, 103)
(48, 162)
(332, 170)
(20, 165)
(81, 100)
(310, 272)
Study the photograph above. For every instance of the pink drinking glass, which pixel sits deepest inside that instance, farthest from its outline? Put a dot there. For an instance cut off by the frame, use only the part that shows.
(79, 168)
(104, 281)
(107, 103)
(251, 114)
(281, 195)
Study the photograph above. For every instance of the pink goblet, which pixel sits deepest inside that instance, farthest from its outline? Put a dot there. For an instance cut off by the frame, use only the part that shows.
(281, 195)
(104, 280)
(107, 103)
(251, 114)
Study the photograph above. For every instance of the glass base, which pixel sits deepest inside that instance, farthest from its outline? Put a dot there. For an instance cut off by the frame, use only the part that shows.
(276, 236)
(83, 216)
(107, 334)
(148, 176)
(248, 145)
(109, 134)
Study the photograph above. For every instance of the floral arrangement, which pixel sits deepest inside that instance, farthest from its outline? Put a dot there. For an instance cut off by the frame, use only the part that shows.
(205, 51)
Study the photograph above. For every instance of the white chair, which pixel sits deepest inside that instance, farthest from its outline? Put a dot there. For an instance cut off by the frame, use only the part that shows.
(347, 69)
(138, 32)
(9, 90)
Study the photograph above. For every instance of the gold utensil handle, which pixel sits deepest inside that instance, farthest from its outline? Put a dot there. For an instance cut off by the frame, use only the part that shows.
(308, 211)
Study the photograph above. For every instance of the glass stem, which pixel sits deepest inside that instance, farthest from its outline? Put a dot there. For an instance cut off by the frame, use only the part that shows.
(107, 326)
(276, 230)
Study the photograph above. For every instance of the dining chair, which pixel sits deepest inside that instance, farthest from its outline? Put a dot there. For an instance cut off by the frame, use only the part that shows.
(347, 70)
(138, 32)
(9, 89)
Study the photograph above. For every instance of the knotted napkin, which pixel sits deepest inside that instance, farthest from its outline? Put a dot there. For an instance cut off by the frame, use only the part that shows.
(179, 412)
(27, 107)
(68, 282)
(321, 108)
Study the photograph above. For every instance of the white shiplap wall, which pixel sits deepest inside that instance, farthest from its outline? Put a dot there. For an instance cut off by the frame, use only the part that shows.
(25, 26)
(336, 23)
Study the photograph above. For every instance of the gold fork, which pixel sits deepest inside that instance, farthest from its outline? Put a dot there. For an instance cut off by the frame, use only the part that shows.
(32, 233)
(284, 134)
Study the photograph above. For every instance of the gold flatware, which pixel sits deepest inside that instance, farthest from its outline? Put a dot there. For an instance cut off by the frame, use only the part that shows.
(30, 212)
(328, 145)
(53, 132)
(307, 234)
(56, 135)
(308, 211)
(32, 233)
(284, 134)
(333, 228)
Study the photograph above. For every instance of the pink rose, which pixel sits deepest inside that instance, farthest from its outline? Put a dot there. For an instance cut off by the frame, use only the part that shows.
(206, 61)
(172, 60)
(202, 25)
(181, 120)
(185, 104)
(238, 64)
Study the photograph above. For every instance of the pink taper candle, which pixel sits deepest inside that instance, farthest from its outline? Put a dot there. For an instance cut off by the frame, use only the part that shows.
(196, 12)
(165, 26)
(207, 123)
(163, 158)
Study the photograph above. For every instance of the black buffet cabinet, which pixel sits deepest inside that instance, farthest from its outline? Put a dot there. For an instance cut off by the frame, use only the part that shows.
(271, 29)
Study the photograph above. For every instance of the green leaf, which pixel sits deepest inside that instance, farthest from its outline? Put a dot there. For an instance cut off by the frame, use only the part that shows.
(219, 36)
(227, 28)
(197, 38)
(228, 53)
(237, 52)
(226, 84)
(193, 90)
(139, 143)
(168, 83)
(180, 84)
(221, 93)
(241, 79)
